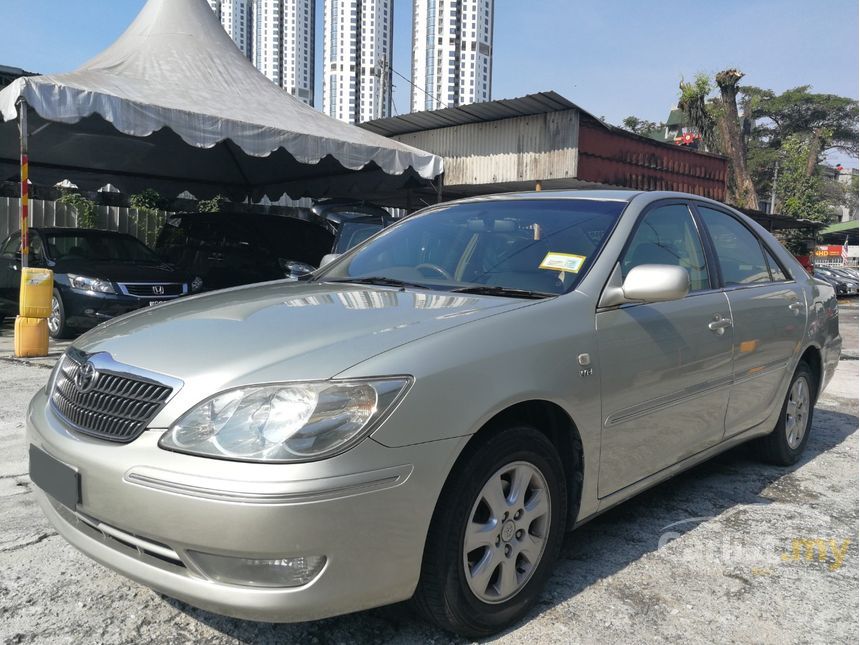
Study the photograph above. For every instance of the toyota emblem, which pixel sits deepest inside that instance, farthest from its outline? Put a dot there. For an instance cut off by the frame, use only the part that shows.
(158, 290)
(85, 377)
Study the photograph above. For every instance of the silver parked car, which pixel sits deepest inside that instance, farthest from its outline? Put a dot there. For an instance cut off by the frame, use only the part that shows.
(426, 416)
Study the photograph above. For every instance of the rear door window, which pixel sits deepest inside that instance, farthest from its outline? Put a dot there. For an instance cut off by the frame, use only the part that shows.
(776, 272)
(739, 252)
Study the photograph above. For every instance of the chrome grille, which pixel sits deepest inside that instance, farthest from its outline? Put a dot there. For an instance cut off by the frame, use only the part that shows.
(152, 290)
(110, 405)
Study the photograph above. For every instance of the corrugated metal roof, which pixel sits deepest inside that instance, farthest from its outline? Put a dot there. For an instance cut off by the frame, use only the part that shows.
(841, 227)
(540, 103)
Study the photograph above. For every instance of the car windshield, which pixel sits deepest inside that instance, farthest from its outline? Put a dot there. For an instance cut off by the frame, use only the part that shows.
(511, 247)
(98, 246)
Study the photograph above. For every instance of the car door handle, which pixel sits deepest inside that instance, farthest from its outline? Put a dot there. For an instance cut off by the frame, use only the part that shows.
(719, 324)
(796, 307)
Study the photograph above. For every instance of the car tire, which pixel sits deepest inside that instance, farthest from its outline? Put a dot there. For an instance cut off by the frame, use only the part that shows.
(785, 445)
(455, 591)
(57, 326)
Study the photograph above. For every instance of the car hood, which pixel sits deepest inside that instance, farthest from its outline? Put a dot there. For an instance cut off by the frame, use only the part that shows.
(120, 271)
(280, 331)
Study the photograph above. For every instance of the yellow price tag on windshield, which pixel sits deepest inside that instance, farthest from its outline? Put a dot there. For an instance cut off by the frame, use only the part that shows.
(562, 262)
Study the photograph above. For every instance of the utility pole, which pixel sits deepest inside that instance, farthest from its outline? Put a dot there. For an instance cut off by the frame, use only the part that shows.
(773, 187)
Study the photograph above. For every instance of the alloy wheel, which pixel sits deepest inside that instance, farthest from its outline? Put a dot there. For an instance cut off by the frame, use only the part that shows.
(54, 318)
(797, 412)
(506, 532)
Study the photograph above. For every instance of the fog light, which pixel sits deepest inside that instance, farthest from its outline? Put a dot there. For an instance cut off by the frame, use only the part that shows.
(251, 572)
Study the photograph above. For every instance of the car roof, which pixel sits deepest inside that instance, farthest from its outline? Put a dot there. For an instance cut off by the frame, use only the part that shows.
(598, 194)
(60, 230)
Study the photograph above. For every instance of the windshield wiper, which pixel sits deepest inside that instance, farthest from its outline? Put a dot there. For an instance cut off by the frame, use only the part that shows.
(379, 280)
(488, 290)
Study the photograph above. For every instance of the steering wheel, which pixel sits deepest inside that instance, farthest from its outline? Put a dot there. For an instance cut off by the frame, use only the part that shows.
(436, 268)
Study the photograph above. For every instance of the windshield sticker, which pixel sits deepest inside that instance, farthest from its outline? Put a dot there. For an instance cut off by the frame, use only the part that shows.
(562, 262)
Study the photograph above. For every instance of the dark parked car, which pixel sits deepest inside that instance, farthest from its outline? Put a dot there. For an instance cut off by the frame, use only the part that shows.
(228, 249)
(839, 286)
(851, 282)
(351, 222)
(98, 275)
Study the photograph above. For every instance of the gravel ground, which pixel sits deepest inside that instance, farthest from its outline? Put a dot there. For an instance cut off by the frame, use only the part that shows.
(715, 555)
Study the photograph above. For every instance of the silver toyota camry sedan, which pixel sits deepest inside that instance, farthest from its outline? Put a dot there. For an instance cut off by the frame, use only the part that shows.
(427, 415)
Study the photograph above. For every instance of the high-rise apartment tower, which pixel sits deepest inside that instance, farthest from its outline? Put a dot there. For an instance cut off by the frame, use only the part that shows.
(277, 36)
(452, 53)
(357, 45)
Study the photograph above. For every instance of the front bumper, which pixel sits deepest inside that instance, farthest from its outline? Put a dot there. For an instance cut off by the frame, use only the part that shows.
(86, 309)
(366, 511)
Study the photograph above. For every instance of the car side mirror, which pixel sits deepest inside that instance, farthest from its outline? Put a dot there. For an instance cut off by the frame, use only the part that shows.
(328, 258)
(294, 268)
(656, 283)
(646, 283)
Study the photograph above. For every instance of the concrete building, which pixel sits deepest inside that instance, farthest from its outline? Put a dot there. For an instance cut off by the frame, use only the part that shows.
(452, 53)
(284, 41)
(237, 17)
(278, 36)
(357, 46)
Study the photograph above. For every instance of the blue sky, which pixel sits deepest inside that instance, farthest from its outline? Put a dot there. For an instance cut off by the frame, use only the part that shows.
(612, 57)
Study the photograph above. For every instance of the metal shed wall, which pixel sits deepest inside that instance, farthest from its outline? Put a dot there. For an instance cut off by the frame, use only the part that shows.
(526, 148)
(616, 158)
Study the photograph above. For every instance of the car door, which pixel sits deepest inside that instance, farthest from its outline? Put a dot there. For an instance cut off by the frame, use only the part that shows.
(10, 274)
(769, 314)
(665, 367)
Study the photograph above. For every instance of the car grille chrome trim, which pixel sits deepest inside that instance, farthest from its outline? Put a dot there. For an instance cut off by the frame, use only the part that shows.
(157, 290)
(101, 398)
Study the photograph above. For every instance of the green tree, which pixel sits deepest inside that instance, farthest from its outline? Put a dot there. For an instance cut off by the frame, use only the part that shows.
(851, 196)
(85, 209)
(213, 205)
(828, 120)
(641, 126)
(146, 200)
(800, 194)
(717, 120)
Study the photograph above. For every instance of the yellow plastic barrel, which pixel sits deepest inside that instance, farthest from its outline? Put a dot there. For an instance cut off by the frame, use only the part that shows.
(37, 286)
(31, 337)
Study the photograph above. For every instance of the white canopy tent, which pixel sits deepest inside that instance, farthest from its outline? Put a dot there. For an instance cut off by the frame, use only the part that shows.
(174, 105)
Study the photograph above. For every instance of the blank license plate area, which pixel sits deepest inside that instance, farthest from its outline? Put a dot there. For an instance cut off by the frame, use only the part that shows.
(58, 480)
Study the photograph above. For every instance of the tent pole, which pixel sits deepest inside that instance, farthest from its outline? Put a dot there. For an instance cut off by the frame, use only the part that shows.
(25, 186)
(439, 181)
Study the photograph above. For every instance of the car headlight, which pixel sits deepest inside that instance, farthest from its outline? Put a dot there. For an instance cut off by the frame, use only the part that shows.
(83, 283)
(197, 283)
(286, 422)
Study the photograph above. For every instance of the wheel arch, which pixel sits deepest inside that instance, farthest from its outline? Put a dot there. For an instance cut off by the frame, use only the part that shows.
(553, 421)
(812, 357)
